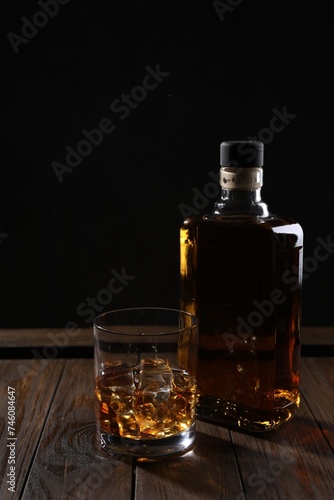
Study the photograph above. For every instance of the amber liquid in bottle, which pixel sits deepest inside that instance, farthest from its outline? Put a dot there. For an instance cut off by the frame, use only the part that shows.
(241, 269)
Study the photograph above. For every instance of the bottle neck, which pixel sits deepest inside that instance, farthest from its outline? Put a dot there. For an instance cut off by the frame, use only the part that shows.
(243, 194)
(236, 202)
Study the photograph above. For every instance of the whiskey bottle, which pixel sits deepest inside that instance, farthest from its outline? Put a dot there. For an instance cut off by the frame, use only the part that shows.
(241, 275)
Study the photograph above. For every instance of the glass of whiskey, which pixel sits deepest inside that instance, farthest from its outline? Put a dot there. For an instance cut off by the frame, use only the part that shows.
(145, 362)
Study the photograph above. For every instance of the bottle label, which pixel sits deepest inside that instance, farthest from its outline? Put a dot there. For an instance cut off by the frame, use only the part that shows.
(241, 178)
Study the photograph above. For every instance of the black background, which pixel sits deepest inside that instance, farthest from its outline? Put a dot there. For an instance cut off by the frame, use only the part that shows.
(120, 208)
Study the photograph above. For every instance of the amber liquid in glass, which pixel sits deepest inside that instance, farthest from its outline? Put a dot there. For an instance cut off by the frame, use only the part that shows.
(149, 401)
(241, 276)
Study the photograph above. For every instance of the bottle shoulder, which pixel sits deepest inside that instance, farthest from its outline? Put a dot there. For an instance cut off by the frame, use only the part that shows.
(273, 227)
(241, 220)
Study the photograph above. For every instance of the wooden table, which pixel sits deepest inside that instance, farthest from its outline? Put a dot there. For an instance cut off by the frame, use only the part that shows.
(47, 380)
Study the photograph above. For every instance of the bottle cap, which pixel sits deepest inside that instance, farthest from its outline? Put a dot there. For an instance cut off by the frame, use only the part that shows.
(241, 154)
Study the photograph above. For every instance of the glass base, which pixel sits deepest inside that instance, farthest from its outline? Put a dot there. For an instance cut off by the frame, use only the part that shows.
(148, 449)
(242, 417)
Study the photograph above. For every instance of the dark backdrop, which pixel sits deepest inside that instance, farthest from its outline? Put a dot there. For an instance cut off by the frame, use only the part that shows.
(195, 73)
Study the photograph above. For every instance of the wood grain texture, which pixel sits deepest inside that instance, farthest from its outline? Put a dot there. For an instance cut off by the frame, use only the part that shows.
(69, 464)
(317, 384)
(208, 471)
(35, 383)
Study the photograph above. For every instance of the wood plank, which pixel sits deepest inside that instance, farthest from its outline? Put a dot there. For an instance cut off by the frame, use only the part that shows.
(293, 461)
(35, 383)
(317, 335)
(317, 384)
(69, 463)
(208, 471)
(39, 337)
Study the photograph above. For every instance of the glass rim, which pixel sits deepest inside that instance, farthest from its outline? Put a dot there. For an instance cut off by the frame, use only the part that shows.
(145, 308)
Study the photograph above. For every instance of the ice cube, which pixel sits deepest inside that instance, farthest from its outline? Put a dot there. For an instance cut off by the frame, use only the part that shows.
(155, 380)
(156, 392)
(116, 375)
(183, 382)
(119, 388)
(127, 425)
(149, 421)
(155, 371)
